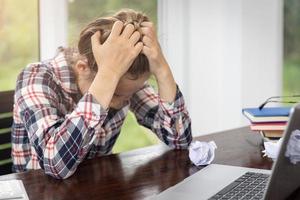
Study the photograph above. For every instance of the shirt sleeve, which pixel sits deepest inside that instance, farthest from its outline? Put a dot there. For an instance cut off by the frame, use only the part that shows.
(169, 121)
(61, 142)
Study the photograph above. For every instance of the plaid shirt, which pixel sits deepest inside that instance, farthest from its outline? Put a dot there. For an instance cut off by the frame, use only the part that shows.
(55, 127)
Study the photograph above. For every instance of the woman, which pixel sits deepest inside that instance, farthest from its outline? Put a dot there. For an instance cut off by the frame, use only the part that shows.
(72, 107)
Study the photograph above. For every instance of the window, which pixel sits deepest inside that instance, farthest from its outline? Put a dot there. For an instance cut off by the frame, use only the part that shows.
(19, 34)
(19, 39)
(82, 12)
(79, 14)
(291, 69)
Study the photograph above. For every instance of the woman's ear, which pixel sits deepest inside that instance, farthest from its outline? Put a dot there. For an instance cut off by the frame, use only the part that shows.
(82, 68)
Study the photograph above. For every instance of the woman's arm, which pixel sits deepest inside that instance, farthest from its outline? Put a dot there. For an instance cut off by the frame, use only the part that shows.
(169, 121)
(165, 113)
(158, 64)
(61, 142)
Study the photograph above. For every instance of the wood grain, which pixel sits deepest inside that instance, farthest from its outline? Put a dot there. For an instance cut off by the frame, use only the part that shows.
(142, 173)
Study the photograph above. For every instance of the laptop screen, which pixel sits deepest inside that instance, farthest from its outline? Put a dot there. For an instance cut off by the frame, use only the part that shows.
(285, 179)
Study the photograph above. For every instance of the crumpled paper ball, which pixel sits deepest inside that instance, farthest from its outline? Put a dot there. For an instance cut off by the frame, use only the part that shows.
(202, 153)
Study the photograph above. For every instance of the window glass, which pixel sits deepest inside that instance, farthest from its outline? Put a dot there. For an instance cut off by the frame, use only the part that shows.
(82, 12)
(19, 39)
(291, 69)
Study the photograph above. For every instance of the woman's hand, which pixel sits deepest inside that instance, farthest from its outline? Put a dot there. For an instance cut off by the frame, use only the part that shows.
(152, 49)
(158, 64)
(113, 57)
(118, 52)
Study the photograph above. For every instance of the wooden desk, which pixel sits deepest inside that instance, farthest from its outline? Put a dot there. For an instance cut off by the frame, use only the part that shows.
(141, 173)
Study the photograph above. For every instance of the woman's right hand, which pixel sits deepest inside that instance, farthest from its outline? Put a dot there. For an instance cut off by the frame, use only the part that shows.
(113, 57)
(118, 52)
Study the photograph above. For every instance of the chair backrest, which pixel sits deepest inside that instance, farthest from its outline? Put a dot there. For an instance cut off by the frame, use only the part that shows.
(6, 119)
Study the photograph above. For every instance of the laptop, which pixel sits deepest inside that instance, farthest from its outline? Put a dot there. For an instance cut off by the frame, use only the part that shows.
(230, 182)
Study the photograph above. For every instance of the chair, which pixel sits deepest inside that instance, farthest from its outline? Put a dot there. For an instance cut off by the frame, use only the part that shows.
(6, 119)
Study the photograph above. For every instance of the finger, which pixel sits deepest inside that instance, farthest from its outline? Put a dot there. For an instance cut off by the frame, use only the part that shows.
(147, 24)
(146, 50)
(116, 29)
(148, 27)
(147, 31)
(95, 39)
(128, 30)
(135, 37)
(138, 48)
(147, 41)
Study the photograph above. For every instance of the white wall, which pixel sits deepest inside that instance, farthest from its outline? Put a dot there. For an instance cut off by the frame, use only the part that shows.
(225, 55)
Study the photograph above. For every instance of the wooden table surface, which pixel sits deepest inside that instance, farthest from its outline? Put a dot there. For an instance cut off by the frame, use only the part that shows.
(144, 172)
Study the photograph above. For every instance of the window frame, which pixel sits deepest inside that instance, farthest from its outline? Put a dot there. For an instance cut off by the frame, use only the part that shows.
(53, 21)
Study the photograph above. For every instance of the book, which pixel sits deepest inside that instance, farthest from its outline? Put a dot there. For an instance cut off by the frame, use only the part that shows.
(272, 134)
(267, 139)
(269, 114)
(273, 126)
(13, 189)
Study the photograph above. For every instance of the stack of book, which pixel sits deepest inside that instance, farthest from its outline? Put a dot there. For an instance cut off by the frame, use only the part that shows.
(270, 121)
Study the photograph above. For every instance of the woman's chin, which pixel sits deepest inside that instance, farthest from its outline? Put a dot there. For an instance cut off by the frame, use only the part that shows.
(116, 106)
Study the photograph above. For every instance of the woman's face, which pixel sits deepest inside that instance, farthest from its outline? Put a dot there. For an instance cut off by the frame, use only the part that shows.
(126, 88)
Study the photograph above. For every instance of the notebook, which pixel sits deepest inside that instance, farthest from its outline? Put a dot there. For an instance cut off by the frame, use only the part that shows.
(277, 126)
(12, 189)
(269, 114)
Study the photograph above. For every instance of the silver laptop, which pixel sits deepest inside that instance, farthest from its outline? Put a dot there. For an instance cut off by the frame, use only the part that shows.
(230, 182)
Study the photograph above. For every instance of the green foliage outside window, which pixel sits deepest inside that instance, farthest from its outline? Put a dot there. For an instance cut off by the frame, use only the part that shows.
(291, 69)
(19, 39)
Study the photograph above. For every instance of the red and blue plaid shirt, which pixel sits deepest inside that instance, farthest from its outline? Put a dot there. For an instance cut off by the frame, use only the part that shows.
(55, 127)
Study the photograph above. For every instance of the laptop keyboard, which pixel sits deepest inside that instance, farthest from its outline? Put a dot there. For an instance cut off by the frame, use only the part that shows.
(249, 186)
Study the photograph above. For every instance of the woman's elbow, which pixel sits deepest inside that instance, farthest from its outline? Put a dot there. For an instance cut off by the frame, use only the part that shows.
(58, 170)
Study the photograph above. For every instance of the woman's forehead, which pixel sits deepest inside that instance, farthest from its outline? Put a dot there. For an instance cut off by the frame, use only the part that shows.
(128, 86)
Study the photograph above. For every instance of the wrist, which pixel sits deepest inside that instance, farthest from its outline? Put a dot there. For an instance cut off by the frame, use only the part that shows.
(163, 73)
(166, 85)
(103, 87)
(109, 74)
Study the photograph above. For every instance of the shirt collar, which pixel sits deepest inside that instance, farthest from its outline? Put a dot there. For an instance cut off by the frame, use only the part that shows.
(64, 72)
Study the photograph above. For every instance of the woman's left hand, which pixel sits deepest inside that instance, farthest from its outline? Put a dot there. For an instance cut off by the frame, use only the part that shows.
(158, 64)
(152, 49)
